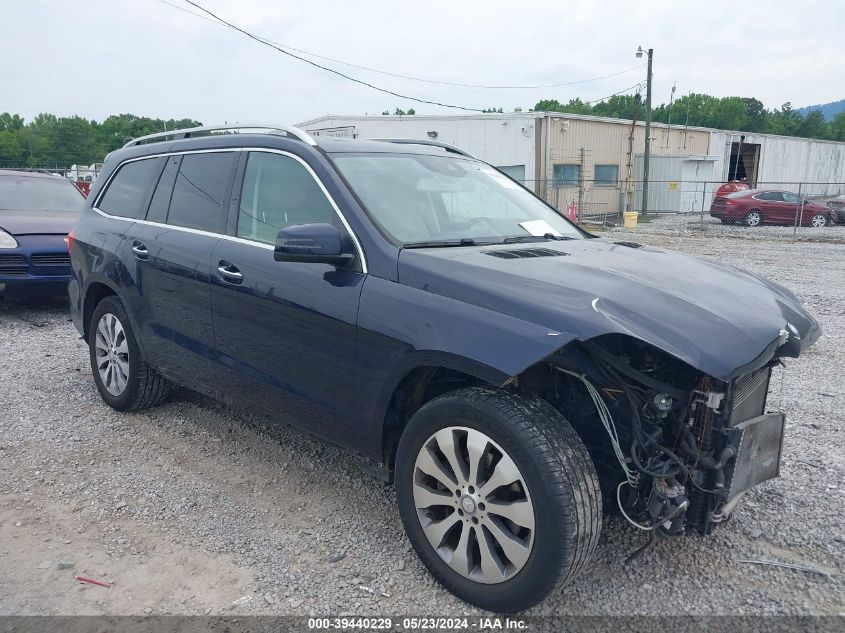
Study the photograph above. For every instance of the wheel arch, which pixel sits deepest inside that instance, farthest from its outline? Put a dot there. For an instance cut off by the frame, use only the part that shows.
(428, 376)
(95, 292)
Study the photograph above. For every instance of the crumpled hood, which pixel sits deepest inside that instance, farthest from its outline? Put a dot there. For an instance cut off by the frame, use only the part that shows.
(721, 320)
(37, 222)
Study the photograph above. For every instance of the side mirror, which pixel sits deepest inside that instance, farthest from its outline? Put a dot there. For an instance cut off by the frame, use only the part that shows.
(312, 244)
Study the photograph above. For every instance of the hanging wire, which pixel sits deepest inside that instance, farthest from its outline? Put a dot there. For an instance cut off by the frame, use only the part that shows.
(326, 68)
(409, 77)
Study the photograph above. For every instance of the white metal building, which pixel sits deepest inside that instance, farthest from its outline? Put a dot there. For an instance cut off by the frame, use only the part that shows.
(597, 162)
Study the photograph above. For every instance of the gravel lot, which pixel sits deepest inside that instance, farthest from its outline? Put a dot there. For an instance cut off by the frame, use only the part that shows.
(194, 508)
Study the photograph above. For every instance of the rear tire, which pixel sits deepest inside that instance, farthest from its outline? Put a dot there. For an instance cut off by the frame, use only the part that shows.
(531, 466)
(124, 379)
(753, 218)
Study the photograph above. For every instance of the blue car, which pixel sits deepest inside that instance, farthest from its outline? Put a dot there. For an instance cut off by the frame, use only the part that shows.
(513, 375)
(36, 213)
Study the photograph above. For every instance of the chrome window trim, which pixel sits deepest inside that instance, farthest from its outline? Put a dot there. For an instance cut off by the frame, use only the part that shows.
(359, 249)
(105, 187)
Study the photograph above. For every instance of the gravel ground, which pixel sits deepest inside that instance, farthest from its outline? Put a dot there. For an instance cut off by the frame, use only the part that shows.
(194, 508)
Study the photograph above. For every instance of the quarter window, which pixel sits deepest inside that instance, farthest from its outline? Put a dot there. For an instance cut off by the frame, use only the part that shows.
(607, 175)
(200, 194)
(566, 175)
(127, 192)
(279, 192)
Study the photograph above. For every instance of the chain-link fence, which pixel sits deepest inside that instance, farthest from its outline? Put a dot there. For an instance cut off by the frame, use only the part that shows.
(691, 204)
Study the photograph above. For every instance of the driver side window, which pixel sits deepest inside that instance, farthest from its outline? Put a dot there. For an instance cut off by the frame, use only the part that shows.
(279, 192)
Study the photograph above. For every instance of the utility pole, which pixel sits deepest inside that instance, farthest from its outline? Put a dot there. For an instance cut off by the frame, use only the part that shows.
(671, 103)
(647, 154)
(581, 182)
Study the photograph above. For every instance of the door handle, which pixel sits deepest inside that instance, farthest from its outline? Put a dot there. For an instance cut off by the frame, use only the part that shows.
(229, 272)
(140, 250)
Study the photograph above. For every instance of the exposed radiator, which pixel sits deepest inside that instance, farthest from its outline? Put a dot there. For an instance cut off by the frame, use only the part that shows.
(749, 396)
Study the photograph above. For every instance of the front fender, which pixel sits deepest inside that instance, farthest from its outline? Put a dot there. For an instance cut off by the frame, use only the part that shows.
(403, 328)
(420, 324)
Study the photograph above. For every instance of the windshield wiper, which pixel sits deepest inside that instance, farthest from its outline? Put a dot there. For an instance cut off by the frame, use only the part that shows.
(465, 241)
(533, 238)
(516, 239)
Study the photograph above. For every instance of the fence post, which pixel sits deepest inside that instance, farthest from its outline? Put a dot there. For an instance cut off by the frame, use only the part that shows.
(799, 213)
(703, 197)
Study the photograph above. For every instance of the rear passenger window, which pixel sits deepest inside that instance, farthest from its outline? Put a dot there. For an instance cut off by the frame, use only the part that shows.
(160, 201)
(279, 192)
(200, 194)
(127, 193)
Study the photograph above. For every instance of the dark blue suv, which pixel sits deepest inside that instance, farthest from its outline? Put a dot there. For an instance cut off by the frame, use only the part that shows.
(513, 375)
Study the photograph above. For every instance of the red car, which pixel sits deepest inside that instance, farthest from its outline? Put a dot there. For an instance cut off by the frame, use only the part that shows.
(763, 206)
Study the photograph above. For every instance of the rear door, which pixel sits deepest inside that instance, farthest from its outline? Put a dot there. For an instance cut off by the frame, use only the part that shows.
(285, 332)
(170, 254)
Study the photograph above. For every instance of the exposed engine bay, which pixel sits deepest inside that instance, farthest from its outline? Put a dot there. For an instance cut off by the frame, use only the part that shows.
(675, 449)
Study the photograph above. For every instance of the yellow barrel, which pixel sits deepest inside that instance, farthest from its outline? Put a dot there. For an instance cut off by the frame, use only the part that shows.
(630, 219)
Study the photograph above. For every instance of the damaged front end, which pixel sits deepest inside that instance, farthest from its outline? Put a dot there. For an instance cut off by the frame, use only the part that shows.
(675, 448)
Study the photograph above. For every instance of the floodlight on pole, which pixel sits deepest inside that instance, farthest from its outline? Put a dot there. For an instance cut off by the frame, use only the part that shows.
(647, 153)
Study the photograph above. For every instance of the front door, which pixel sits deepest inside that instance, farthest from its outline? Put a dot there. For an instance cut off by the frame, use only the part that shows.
(791, 208)
(285, 333)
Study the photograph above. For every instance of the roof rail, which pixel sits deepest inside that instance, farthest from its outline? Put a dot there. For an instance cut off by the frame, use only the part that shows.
(287, 130)
(418, 141)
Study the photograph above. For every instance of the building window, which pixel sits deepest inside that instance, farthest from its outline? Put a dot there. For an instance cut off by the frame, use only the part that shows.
(607, 175)
(567, 175)
(517, 172)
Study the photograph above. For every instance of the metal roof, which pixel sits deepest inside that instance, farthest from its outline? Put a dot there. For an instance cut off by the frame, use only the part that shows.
(555, 115)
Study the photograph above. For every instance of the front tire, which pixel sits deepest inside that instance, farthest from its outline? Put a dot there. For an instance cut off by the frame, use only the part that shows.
(819, 221)
(124, 379)
(498, 496)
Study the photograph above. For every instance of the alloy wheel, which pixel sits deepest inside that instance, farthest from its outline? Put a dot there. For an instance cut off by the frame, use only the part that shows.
(473, 504)
(112, 354)
(753, 219)
(819, 221)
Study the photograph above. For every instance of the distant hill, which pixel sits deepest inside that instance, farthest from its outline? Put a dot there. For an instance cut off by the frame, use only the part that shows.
(828, 110)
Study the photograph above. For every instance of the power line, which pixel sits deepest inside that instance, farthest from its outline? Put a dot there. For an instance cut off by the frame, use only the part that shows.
(326, 68)
(636, 85)
(409, 77)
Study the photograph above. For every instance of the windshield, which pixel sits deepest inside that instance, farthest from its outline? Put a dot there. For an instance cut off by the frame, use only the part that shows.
(423, 198)
(38, 194)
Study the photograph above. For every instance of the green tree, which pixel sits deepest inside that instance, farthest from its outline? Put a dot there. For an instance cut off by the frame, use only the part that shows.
(744, 114)
(837, 127)
(813, 125)
(50, 141)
